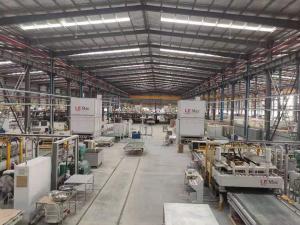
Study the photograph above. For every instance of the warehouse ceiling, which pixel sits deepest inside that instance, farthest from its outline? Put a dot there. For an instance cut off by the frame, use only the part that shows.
(141, 47)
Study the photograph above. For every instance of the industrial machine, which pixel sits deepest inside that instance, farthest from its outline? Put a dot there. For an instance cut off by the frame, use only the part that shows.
(236, 165)
(193, 180)
(190, 120)
(244, 165)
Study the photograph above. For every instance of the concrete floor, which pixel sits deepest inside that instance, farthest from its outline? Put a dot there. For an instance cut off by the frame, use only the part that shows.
(131, 190)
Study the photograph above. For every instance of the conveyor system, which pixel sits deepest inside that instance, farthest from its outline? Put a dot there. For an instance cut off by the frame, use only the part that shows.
(261, 209)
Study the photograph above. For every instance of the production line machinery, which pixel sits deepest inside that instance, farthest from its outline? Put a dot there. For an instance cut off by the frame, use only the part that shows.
(237, 165)
(261, 209)
(261, 182)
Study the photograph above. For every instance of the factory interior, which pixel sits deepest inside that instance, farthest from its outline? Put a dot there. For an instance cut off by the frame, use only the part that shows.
(150, 112)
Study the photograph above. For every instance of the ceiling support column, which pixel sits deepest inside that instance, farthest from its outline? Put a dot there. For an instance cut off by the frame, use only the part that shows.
(51, 98)
(69, 93)
(298, 93)
(90, 92)
(255, 98)
(214, 104)
(279, 90)
(232, 104)
(268, 103)
(222, 98)
(208, 105)
(27, 114)
(246, 104)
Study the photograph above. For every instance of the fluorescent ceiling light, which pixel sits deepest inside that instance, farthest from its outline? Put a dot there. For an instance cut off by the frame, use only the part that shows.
(284, 77)
(63, 23)
(108, 52)
(188, 53)
(127, 66)
(5, 62)
(175, 67)
(21, 73)
(220, 25)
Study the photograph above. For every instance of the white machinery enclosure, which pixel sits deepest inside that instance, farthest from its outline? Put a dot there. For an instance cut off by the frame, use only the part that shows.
(190, 118)
(86, 115)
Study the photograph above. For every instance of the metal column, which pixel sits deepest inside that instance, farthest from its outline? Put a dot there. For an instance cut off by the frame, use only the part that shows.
(80, 89)
(255, 98)
(222, 100)
(298, 92)
(295, 107)
(51, 92)
(51, 101)
(69, 102)
(268, 102)
(208, 105)
(214, 105)
(27, 119)
(232, 104)
(246, 106)
(279, 89)
(90, 92)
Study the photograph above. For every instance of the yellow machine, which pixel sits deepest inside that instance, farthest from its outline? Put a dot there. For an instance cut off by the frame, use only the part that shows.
(6, 142)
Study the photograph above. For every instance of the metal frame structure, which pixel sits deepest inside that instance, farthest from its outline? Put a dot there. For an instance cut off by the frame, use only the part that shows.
(145, 30)
(195, 54)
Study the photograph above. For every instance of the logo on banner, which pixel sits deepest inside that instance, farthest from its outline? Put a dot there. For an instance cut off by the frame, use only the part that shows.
(265, 182)
(81, 108)
(189, 110)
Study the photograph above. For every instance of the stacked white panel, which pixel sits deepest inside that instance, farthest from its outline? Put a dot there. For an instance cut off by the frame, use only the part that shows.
(32, 181)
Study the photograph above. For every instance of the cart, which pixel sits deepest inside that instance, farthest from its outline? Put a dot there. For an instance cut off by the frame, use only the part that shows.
(134, 146)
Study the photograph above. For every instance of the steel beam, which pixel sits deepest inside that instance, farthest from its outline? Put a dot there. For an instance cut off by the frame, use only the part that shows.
(273, 64)
(138, 75)
(150, 81)
(93, 60)
(141, 78)
(217, 52)
(11, 20)
(111, 67)
(245, 42)
(169, 71)
(276, 22)
(27, 114)
(60, 72)
(283, 23)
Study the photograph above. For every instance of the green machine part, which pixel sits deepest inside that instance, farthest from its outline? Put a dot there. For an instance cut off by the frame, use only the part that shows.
(82, 151)
(62, 168)
(297, 157)
(84, 167)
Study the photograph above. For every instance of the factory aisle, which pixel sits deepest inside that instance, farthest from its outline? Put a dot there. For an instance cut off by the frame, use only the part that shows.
(131, 190)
